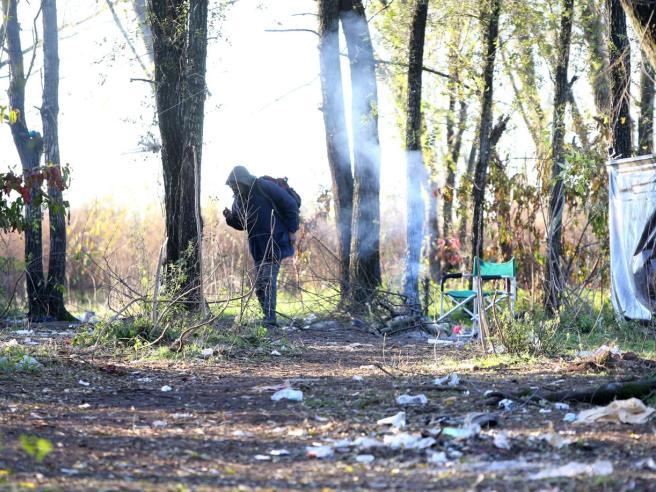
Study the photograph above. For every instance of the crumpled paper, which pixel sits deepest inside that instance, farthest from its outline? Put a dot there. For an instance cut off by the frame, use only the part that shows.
(631, 411)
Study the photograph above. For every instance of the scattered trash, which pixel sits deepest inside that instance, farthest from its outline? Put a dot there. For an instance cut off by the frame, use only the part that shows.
(461, 433)
(319, 418)
(262, 457)
(310, 318)
(561, 406)
(27, 363)
(403, 440)
(287, 394)
(23, 332)
(555, 440)
(507, 405)
(631, 411)
(574, 469)
(648, 463)
(357, 378)
(569, 417)
(319, 452)
(166, 388)
(545, 410)
(481, 419)
(84, 405)
(411, 400)
(159, 424)
(69, 471)
(241, 433)
(439, 343)
(397, 421)
(84, 383)
(367, 443)
(279, 452)
(181, 415)
(206, 353)
(599, 351)
(364, 458)
(89, 317)
(450, 380)
(501, 440)
(275, 353)
(437, 457)
(457, 330)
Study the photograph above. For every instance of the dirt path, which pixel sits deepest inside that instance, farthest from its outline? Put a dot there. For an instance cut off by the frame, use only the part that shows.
(113, 428)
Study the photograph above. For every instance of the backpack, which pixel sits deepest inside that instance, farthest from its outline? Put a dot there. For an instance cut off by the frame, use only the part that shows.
(284, 184)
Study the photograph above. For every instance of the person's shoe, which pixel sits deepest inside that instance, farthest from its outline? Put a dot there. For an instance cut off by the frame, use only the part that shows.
(270, 323)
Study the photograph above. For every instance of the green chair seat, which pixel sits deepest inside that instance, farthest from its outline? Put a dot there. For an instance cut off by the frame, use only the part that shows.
(464, 294)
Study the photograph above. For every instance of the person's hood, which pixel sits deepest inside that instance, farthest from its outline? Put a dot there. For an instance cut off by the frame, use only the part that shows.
(240, 175)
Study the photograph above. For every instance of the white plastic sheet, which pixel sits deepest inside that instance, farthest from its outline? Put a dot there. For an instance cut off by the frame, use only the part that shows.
(632, 200)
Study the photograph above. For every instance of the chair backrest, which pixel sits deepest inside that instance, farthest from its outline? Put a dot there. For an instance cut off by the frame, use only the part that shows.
(494, 270)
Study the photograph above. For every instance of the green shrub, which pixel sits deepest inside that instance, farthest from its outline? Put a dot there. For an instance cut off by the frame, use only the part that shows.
(531, 332)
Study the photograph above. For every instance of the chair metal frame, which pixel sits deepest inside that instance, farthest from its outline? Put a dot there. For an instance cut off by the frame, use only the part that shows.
(498, 271)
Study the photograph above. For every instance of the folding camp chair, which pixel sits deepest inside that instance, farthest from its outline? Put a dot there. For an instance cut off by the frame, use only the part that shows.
(465, 300)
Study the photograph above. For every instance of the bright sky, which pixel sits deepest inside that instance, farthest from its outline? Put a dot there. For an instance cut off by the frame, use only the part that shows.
(262, 111)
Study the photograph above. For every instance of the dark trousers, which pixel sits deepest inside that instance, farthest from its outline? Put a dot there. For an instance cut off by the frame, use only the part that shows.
(266, 284)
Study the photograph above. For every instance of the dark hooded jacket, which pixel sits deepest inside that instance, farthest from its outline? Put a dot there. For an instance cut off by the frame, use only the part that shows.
(269, 214)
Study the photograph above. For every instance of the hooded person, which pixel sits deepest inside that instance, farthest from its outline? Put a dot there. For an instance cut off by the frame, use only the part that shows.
(270, 217)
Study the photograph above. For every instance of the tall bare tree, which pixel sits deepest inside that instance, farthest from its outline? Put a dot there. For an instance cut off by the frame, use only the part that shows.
(553, 276)
(179, 29)
(50, 121)
(29, 145)
(641, 13)
(490, 12)
(646, 119)
(337, 142)
(415, 164)
(620, 80)
(365, 250)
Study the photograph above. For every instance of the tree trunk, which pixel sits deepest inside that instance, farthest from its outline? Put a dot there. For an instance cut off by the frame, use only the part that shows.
(595, 36)
(337, 143)
(491, 33)
(415, 163)
(465, 191)
(179, 49)
(56, 210)
(641, 13)
(434, 264)
(553, 275)
(29, 147)
(646, 121)
(620, 79)
(365, 264)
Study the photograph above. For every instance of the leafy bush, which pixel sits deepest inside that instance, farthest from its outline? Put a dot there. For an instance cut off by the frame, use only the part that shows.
(531, 332)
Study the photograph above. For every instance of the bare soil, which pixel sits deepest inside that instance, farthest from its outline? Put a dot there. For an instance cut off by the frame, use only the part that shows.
(217, 427)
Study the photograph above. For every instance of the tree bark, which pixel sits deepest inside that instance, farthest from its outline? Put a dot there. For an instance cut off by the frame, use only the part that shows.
(646, 120)
(620, 79)
(56, 209)
(553, 275)
(30, 148)
(415, 163)
(465, 190)
(595, 36)
(643, 17)
(179, 30)
(337, 143)
(491, 34)
(365, 264)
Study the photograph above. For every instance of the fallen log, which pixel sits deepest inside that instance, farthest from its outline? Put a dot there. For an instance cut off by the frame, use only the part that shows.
(600, 395)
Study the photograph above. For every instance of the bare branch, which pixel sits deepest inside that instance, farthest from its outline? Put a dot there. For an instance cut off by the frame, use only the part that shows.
(293, 30)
